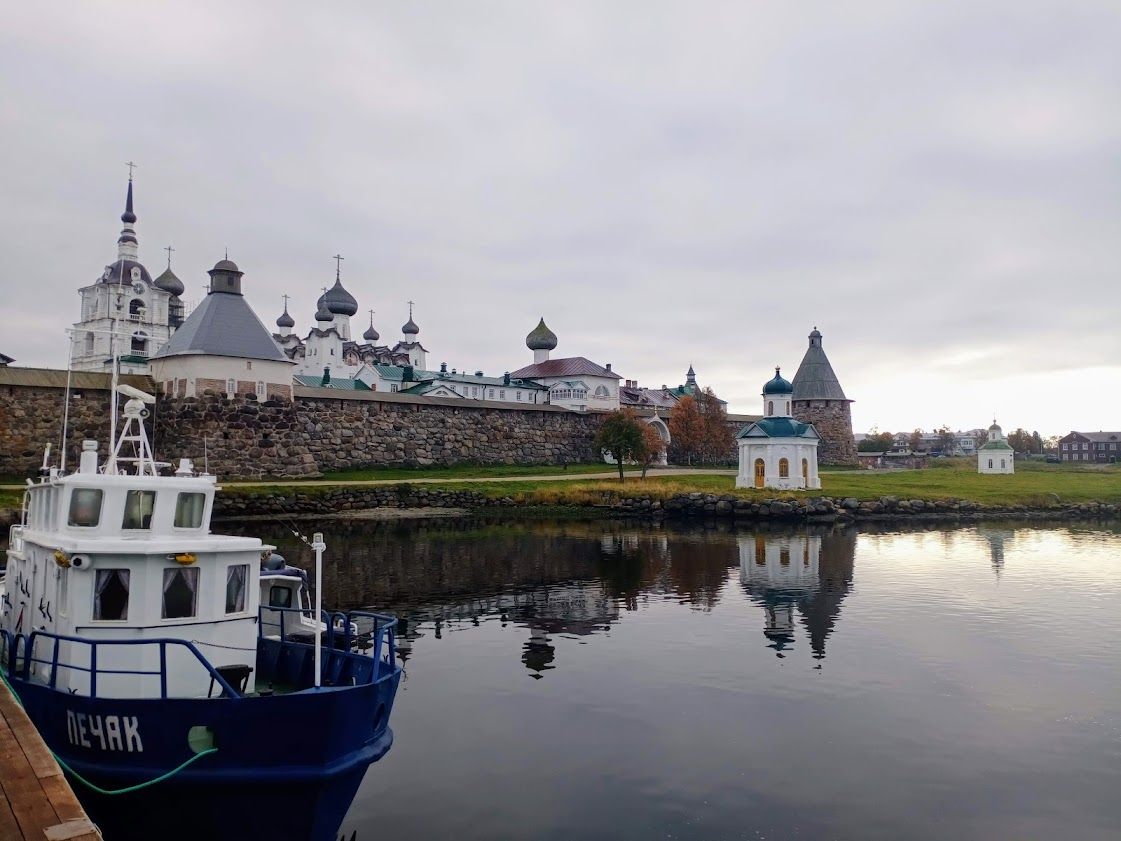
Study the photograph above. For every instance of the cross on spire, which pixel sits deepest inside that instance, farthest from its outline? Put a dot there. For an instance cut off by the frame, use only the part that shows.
(285, 297)
(131, 166)
(338, 258)
(410, 303)
(169, 249)
(371, 318)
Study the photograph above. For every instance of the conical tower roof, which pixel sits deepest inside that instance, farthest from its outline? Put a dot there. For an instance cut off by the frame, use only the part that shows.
(815, 379)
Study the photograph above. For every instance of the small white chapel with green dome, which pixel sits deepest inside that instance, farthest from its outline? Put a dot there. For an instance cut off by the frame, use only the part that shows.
(995, 455)
(778, 451)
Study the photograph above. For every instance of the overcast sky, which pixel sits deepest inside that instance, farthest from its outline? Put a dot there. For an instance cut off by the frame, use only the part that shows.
(936, 186)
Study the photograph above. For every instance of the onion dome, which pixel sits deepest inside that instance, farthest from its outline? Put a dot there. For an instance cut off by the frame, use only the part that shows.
(371, 335)
(995, 427)
(409, 328)
(285, 319)
(541, 338)
(169, 283)
(322, 313)
(778, 385)
(128, 217)
(339, 301)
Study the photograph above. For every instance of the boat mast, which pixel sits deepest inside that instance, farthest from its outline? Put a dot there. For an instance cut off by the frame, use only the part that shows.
(318, 545)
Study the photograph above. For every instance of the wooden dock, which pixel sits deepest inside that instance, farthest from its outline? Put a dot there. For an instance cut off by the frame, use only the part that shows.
(36, 801)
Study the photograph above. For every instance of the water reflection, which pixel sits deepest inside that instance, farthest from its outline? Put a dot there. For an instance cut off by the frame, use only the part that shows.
(808, 573)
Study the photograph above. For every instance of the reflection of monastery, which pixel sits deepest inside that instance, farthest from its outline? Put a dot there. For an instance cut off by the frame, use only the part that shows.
(800, 576)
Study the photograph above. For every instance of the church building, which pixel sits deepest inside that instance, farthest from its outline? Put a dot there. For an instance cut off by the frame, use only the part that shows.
(125, 312)
(778, 451)
(575, 382)
(996, 455)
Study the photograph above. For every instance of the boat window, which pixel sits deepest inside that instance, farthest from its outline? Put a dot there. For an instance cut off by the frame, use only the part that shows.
(280, 596)
(110, 594)
(180, 592)
(236, 576)
(188, 510)
(85, 507)
(138, 509)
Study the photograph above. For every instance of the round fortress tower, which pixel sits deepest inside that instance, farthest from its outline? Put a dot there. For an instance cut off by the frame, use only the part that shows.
(820, 400)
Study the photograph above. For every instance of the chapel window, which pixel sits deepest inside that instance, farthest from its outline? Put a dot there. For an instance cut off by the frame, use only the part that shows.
(784, 468)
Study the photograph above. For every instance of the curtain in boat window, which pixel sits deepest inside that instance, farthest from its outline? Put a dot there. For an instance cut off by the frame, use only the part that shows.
(188, 510)
(110, 594)
(236, 576)
(180, 592)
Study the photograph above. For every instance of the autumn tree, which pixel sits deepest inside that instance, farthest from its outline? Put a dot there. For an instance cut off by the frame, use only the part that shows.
(1020, 440)
(620, 435)
(876, 442)
(947, 441)
(716, 437)
(915, 440)
(686, 428)
(652, 448)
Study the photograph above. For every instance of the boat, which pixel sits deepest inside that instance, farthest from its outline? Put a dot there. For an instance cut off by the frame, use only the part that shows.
(186, 681)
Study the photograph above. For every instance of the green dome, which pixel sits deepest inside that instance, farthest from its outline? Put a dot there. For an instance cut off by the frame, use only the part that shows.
(778, 385)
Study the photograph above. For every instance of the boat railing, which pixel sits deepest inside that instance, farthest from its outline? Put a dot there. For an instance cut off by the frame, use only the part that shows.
(356, 631)
(19, 654)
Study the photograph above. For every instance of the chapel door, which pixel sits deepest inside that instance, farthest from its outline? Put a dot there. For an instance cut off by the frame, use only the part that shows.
(760, 472)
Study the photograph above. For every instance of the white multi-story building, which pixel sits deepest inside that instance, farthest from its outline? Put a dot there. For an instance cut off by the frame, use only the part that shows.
(575, 382)
(124, 311)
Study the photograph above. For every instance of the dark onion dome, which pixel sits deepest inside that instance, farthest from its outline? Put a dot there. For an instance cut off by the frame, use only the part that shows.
(371, 335)
(995, 427)
(321, 312)
(128, 217)
(285, 319)
(120, 271)
(339, 301)
(778, 385)
(409, 328)
(225, 265)
(169, 283)
(541, 338)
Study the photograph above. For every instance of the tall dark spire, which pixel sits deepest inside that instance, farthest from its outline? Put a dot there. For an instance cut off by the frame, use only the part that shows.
(691, 376)
(126, 242)
(128, 217)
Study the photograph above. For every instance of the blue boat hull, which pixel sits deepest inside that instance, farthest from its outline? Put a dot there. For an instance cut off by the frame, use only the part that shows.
(248, 788)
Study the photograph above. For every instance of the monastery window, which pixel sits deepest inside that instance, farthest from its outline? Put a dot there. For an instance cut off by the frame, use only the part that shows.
(393, 387)
(248, 365)
(89, 343)
(602, 392)
(990, 464)
(135, 309)
(139, 342)
(492, 394)
(1002, 463)
(188, 510)
(180, 592)
(502, 394)
(110, 595)
(231, 387)
(260, 390)
(806, 471)
(770, 407)
(784, 468)
(138, 509)
(236, 578)
(85, 507)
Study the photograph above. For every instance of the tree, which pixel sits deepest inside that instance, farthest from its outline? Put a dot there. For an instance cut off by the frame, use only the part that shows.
(876, 442)
(1036, 443)
(947, 441)
(915, 440)
(1020, 440)
(686, 428)
(620, 435)
(716, 437)
(652, 447)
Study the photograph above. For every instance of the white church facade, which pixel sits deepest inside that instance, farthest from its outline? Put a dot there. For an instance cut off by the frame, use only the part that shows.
(125, 312)
(777, 451)
(996, 455)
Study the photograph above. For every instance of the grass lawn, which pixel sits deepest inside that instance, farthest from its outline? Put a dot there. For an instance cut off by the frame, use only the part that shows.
(1033, 484)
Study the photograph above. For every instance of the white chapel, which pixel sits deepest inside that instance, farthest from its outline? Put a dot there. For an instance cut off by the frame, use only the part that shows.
(777, 451)
(996, 455)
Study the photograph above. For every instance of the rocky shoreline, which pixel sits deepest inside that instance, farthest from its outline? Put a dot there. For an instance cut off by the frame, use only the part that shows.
(413, 500)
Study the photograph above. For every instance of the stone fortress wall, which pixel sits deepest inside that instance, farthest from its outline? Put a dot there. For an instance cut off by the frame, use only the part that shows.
(319, 431)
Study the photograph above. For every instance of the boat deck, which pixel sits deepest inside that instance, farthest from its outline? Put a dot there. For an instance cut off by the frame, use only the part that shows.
(36, 801)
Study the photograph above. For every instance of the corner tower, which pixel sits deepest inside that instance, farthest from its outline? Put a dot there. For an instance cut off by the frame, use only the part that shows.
(820, 400)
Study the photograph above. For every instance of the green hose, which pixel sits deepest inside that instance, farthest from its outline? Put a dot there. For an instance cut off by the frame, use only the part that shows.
(93, 786)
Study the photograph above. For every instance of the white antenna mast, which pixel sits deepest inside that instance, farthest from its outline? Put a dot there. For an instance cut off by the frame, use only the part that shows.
(134, 433)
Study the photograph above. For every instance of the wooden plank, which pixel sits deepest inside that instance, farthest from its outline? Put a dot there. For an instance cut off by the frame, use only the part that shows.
(36, 801)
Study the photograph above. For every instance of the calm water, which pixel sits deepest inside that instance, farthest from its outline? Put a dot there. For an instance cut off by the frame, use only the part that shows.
(596, 680)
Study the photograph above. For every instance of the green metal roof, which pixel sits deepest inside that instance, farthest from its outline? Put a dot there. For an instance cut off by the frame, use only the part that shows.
(340, 383)
(778, 428)
(996, 445)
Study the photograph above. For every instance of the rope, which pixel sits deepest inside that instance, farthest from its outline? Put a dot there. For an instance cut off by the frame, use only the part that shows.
(93, 786)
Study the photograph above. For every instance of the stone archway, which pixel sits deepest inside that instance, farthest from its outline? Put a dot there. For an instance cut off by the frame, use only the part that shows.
(663, 433)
